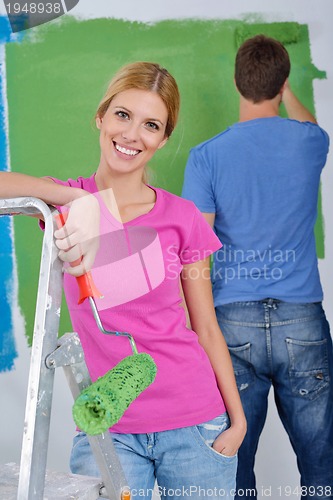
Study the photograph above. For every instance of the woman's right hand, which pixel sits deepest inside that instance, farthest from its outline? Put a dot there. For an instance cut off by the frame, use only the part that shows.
(79, 237)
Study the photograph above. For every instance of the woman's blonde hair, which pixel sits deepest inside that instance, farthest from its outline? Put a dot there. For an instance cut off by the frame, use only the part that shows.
(145, 76)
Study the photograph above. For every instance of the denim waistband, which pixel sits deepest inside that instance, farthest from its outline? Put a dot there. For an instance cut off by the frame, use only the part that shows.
(269, 310)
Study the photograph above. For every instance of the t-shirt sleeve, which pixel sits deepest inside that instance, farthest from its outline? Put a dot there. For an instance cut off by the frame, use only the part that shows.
(197, 185)
(326, 144)
(201, 242)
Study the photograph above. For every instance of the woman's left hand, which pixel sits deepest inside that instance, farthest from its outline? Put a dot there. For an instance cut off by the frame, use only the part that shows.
(229, 440)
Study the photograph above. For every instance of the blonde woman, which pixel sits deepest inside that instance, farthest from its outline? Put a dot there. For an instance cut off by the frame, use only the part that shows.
(185, 429)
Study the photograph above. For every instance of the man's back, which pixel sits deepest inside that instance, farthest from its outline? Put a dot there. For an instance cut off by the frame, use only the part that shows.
(262, 177)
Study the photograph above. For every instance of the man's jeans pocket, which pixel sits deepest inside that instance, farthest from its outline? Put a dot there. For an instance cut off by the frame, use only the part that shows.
(241, 361)
(308, 369)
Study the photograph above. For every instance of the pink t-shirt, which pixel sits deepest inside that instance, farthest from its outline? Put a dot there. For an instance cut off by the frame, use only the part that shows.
(137, 269)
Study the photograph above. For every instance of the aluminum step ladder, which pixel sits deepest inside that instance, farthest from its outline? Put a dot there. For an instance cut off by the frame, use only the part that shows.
(48, 352)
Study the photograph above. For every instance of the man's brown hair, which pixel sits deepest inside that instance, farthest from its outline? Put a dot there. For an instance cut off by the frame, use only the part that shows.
(262, 66)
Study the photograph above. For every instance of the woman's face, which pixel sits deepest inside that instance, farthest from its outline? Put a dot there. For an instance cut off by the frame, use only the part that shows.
(131, 130)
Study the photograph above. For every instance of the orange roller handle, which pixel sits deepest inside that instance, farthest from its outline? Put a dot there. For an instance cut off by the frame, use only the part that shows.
(87, 287)
(126, 494)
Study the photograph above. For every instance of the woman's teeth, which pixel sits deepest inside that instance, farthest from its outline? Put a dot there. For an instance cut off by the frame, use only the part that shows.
(130, 152)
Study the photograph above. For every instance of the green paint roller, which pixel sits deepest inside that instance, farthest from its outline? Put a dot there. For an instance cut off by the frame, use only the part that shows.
(285, 32)
(103, 403)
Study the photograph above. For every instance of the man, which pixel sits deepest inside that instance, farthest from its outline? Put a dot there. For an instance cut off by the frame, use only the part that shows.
(257, 184)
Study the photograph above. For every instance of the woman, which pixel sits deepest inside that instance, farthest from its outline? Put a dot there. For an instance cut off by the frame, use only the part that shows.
(185, 429)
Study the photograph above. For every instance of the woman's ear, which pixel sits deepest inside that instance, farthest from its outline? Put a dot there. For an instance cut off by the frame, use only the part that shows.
(163, 142)
(98, 122)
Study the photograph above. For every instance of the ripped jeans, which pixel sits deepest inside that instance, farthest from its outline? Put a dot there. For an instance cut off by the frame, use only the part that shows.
(287, 346)
(181, 460)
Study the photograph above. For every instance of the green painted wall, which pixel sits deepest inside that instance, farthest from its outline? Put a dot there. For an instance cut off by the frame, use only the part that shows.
(57, 76)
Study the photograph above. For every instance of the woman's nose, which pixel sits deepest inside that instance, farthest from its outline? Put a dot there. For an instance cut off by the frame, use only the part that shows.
(131, 132)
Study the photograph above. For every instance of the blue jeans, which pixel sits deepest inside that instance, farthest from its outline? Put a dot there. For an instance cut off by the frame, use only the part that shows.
(288, 346)
(182, 461)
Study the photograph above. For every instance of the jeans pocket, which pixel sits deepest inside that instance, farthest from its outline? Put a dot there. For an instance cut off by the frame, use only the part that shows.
(79, 438)
(241, 362)
(210, 430)
(308, 367)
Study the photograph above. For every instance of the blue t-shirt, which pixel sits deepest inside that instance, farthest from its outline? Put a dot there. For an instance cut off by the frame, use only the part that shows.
(261, 179)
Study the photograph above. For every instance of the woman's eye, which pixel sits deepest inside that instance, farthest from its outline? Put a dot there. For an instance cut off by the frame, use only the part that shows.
(122, 114)
(152, 125)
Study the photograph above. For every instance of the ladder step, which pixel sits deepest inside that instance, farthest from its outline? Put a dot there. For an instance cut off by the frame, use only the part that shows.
(58, 485)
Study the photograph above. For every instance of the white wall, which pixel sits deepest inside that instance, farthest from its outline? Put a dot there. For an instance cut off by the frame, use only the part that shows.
(276, 465)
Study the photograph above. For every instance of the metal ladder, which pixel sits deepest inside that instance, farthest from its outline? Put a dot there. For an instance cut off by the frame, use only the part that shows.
(47, 353)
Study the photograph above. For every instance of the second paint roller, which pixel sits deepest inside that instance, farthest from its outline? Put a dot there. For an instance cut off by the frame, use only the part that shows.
(102, 404)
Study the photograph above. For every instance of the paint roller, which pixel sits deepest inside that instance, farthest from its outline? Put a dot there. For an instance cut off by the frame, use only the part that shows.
(103, 403)
(286, 33)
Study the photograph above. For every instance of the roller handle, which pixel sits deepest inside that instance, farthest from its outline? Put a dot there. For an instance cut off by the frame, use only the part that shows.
(126, 493)
(87, 287)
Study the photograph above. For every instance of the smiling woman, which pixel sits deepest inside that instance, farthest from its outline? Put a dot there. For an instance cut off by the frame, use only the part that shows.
(152, 244)
(130, 134)
(152, 106)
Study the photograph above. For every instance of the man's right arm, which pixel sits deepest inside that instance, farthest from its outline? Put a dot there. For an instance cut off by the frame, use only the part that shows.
(295, 109)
